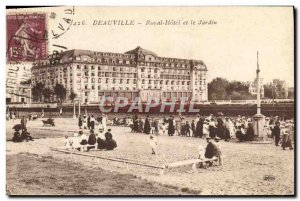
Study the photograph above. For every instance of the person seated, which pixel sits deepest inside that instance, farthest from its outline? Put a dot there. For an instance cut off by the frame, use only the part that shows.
(17, 136)
(111, 145)
(25, 135)
(76, 142)
(101, 143)
(83, 137)
(211, 150)
(110, 142)
(92, 139)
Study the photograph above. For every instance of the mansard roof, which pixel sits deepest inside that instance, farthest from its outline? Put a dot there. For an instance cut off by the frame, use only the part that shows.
(139, 50)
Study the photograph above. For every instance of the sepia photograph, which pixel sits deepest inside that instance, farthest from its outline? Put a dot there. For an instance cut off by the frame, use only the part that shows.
(150, 101)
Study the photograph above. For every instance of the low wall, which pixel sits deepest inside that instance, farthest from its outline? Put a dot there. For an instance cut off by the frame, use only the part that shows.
(279, 109)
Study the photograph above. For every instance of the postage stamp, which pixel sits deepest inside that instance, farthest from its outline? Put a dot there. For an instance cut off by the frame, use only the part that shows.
(26, 37)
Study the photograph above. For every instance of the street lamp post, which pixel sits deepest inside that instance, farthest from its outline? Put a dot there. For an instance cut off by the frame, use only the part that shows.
(258, 119)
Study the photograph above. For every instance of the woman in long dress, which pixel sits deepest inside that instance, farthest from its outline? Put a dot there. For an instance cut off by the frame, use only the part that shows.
(171, 127)
(147, 126)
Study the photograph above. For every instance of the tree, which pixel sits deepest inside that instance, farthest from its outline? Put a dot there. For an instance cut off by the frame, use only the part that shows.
(72, 96)
(47, 94)
(37, 91)
(60, 92)
(276, 89)
(217, 89)
(269, 91)
(221, 89)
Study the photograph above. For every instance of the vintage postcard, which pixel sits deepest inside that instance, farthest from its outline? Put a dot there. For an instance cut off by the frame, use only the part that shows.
(151, 101)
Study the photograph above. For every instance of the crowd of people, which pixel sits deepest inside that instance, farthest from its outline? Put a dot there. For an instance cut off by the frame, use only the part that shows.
(226, 128)
(220, 126)
(11, 115)
(81, 141)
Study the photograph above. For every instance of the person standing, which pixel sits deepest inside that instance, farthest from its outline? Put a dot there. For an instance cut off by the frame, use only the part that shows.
(141, 125)
(193, 127)
(276, 133)
(212, 128)
(220, 128)
(136, 123)
(104, 121)
(153, 144)
(199, 128)
(171, 127)
(23, 123)
(89, 122)
(60, 112)
(250, 132)
(147, 126)
(92, 122)
(205, 129)
(187, 129)
(79, 122)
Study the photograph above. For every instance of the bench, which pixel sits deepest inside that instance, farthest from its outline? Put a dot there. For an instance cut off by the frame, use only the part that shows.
(85, 147)
(194, 162)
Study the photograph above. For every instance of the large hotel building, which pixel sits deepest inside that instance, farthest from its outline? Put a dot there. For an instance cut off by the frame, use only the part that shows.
(138, 72)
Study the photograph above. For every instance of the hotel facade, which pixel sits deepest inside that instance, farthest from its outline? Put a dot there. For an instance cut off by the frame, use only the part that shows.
(136, 73)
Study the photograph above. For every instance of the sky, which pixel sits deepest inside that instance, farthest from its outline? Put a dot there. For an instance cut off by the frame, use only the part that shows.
(228, 48)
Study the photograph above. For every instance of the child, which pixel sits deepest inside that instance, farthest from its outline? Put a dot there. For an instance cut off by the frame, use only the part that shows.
(67, 143)
(201, 152)
(153, 144)
(205, 129)
(217, 143)
(201, 156)
(164, 127)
